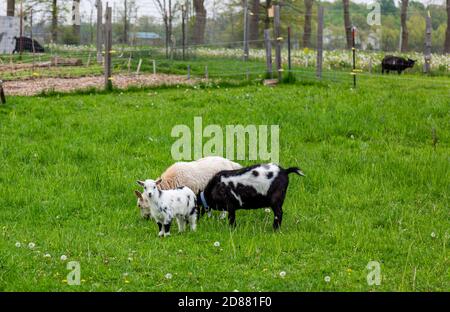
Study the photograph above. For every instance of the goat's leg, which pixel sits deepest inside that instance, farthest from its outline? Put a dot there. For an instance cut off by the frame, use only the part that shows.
(161, 229)
(193, 221)
(278, 216)
(232, 217)
(181, 224)
(167, 229)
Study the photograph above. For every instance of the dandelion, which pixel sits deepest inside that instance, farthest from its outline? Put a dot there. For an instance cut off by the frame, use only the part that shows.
(130, 259)
(433, 235)
(349, 270)
(235, 290)
(267, 210)
(216, 244)
(327, 279)
(18, 244)
(168, 276)
(282, 274)
(127, 282)
(63, 258)
(47, 255)
(31, 245)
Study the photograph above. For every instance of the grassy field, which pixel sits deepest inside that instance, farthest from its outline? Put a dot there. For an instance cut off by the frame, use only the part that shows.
(376, 189)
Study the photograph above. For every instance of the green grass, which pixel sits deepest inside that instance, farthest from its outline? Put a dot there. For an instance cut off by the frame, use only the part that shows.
(376, 189)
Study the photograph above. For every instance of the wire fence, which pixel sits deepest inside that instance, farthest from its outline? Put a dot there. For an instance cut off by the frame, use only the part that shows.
(221, 54)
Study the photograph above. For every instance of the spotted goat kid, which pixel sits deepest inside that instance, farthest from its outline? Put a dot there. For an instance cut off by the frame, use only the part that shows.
(253, 187)
(164, 205)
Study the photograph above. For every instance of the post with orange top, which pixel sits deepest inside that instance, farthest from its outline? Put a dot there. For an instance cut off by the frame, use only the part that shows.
(354, 56)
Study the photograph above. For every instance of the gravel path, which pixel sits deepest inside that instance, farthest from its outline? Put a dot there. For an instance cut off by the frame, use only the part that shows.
(35, 86)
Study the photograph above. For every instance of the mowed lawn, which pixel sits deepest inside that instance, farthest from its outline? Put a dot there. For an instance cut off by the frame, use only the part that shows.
(376, 189)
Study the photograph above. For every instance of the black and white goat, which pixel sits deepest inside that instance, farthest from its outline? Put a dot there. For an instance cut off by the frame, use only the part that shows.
(163, 206)
(252, 187)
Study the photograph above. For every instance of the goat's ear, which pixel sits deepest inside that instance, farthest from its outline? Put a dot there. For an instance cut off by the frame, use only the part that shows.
(141, 183)
(158, 181)
(138, 194)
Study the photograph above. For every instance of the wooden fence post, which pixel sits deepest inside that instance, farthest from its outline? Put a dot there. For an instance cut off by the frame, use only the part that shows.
(2, 93)
(154, 67)
(138, 69)
(319, 43)
(427, 50)
(189, 72)
(278, 39)
(108, 47)
(129, 64)
(99, 6)
(268, 45)
(289, 50)
(206, 72)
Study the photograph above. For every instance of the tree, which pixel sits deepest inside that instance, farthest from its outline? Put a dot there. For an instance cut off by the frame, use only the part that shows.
(200, 21)
(10, 7)
(404, 34)
(307, 25)
(347, 23)
(166, 9)
(254, 21)
(447, 33)
(54, 20)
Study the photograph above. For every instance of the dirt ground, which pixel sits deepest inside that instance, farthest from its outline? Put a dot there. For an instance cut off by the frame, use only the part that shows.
(38, 85)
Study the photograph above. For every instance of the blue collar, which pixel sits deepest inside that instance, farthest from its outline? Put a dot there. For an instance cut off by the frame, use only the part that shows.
(202, 197)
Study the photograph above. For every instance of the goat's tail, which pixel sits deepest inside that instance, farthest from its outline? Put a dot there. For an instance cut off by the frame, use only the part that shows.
(295, 170)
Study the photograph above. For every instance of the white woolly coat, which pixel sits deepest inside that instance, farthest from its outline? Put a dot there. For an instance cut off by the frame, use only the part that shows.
(195, 174)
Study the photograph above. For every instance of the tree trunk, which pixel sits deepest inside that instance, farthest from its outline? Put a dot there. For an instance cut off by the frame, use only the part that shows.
(404, 34)
(447, 33)
(125, 23)
(200, 22)
(307, 26)
(347, 23)
(254, 21)
(54, 20)
(10, 8)
(267, 18)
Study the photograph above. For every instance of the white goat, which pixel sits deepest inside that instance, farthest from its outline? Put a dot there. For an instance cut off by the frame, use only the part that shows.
(195, 174)
(164, 205)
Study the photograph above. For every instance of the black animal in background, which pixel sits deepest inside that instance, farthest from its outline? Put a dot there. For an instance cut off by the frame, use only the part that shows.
(396, 63)
(27, 45)
(253, 187)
